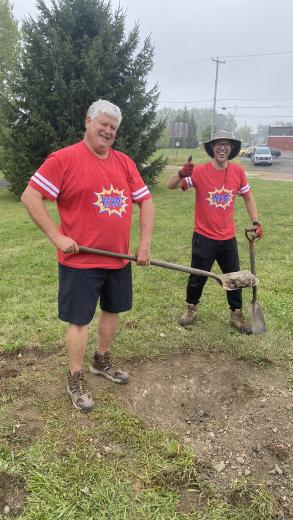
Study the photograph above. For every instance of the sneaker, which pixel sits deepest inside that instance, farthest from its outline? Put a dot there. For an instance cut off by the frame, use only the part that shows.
(80, 397)
(238, 322)
(101, 366)
(189, 315)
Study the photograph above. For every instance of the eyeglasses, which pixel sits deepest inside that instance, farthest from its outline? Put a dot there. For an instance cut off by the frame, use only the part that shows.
(225, 145)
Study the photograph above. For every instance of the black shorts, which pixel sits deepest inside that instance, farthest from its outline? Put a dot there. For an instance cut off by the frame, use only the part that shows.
(80, 290)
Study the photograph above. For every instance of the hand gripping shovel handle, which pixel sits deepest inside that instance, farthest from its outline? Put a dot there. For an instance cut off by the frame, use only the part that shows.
(158, 263)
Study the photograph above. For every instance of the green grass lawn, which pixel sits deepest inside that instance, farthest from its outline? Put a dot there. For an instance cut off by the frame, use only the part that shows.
(62, 474)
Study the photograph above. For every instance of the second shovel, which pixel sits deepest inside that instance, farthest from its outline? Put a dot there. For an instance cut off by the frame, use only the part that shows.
(257, 319)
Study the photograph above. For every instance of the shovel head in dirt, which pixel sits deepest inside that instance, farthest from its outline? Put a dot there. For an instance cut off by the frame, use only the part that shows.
(257, 319)
(256, 315)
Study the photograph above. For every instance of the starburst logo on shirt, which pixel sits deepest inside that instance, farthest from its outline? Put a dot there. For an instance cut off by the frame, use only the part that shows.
(112, 201)
(220, 198)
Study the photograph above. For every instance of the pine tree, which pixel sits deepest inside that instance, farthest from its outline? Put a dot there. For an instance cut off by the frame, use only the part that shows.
(75, 52)
(9, 54)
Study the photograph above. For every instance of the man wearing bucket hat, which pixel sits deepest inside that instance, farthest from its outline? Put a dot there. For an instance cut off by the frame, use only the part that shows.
(217, 183)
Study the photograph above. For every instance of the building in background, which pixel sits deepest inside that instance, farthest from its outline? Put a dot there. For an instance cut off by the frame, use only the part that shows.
(281, 137)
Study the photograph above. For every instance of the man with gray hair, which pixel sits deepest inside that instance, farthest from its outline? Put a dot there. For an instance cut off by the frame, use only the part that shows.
(94, 187)
(216, 183)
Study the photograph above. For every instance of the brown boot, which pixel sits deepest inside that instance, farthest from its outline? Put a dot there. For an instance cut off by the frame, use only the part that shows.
(237, 321)
(189, 315)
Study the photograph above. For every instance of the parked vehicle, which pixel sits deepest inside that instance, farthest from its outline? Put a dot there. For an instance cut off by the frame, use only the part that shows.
(250, 151)
(262, 155)
(242, 152)
(275, 152)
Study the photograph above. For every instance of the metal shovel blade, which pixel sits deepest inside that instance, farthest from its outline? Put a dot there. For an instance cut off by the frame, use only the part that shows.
(238, 280)
(257, 319)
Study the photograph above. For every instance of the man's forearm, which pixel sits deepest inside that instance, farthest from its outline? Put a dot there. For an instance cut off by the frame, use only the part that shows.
(146, 220)
(33, 202)
(38, 213)
(174, 182)
(251, 208)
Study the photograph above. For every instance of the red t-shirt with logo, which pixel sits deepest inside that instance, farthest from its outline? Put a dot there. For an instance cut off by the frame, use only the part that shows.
(215, 195)
(94, 198)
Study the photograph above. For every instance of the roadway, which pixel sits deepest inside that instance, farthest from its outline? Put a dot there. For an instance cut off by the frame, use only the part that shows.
(281, 169)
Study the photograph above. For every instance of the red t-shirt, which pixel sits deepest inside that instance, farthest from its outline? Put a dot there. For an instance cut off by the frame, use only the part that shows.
(215, 195)
(94, 198)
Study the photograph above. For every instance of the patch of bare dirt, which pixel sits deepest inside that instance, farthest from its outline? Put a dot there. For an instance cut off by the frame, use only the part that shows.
(12, 494)
(237, 416)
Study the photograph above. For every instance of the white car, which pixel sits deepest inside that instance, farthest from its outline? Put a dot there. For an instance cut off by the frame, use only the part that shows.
(262, 155)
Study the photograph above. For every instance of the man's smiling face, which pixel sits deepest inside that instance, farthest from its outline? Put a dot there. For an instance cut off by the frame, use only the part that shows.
(100, 133)
(221, 150)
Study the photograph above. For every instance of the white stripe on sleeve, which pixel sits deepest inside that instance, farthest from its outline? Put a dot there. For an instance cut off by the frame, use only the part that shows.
(189, 183)
(244, 189)
(139, 194)
(44, 186)
(47, 185)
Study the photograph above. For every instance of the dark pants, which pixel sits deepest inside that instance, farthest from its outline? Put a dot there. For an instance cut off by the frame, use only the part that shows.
(204, 253)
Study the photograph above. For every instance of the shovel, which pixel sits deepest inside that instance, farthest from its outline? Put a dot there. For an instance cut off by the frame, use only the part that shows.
(229, 281)
(257, 319)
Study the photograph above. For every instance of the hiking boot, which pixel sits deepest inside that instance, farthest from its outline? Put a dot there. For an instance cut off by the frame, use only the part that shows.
(102, 366)
(80, 397)
(189, 315)
(237, 321)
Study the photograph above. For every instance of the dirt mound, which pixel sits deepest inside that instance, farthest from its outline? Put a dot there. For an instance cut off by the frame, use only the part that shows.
(238, 416)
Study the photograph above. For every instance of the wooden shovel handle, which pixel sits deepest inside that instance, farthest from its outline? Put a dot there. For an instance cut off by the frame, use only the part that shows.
(158, 263)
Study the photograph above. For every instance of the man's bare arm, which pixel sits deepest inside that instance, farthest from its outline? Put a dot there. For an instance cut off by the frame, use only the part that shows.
(146, 221)
(34, 204)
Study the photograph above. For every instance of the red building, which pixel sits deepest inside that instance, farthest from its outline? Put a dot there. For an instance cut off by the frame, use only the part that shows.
(281, 137)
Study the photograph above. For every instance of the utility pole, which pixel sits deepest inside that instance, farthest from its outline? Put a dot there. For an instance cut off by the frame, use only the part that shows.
(218, 61)
(234, 122)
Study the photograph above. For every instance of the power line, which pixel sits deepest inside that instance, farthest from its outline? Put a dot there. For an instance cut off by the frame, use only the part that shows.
(259, 54)
(265, 106)
(240, 57)
(187, 102)
(253, 99)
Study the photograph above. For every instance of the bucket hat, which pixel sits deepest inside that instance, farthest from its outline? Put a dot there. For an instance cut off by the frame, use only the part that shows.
(218, 136)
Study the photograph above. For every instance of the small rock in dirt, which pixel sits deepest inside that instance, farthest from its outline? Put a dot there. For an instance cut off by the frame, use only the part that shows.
(220, 467)
(6, 510)
(278, 469)
(240, 460)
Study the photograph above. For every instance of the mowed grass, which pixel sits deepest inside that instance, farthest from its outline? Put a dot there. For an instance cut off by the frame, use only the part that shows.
(65, 476)
(29, 280)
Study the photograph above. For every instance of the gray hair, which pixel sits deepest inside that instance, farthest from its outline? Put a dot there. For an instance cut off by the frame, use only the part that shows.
(102, 106)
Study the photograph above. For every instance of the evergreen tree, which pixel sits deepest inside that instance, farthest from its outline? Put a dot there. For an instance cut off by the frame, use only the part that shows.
(206, 134)
(192, 141)
(75, 52)
(9, 54)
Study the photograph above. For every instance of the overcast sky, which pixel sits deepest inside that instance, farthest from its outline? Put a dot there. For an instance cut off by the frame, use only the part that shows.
(254, 37)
